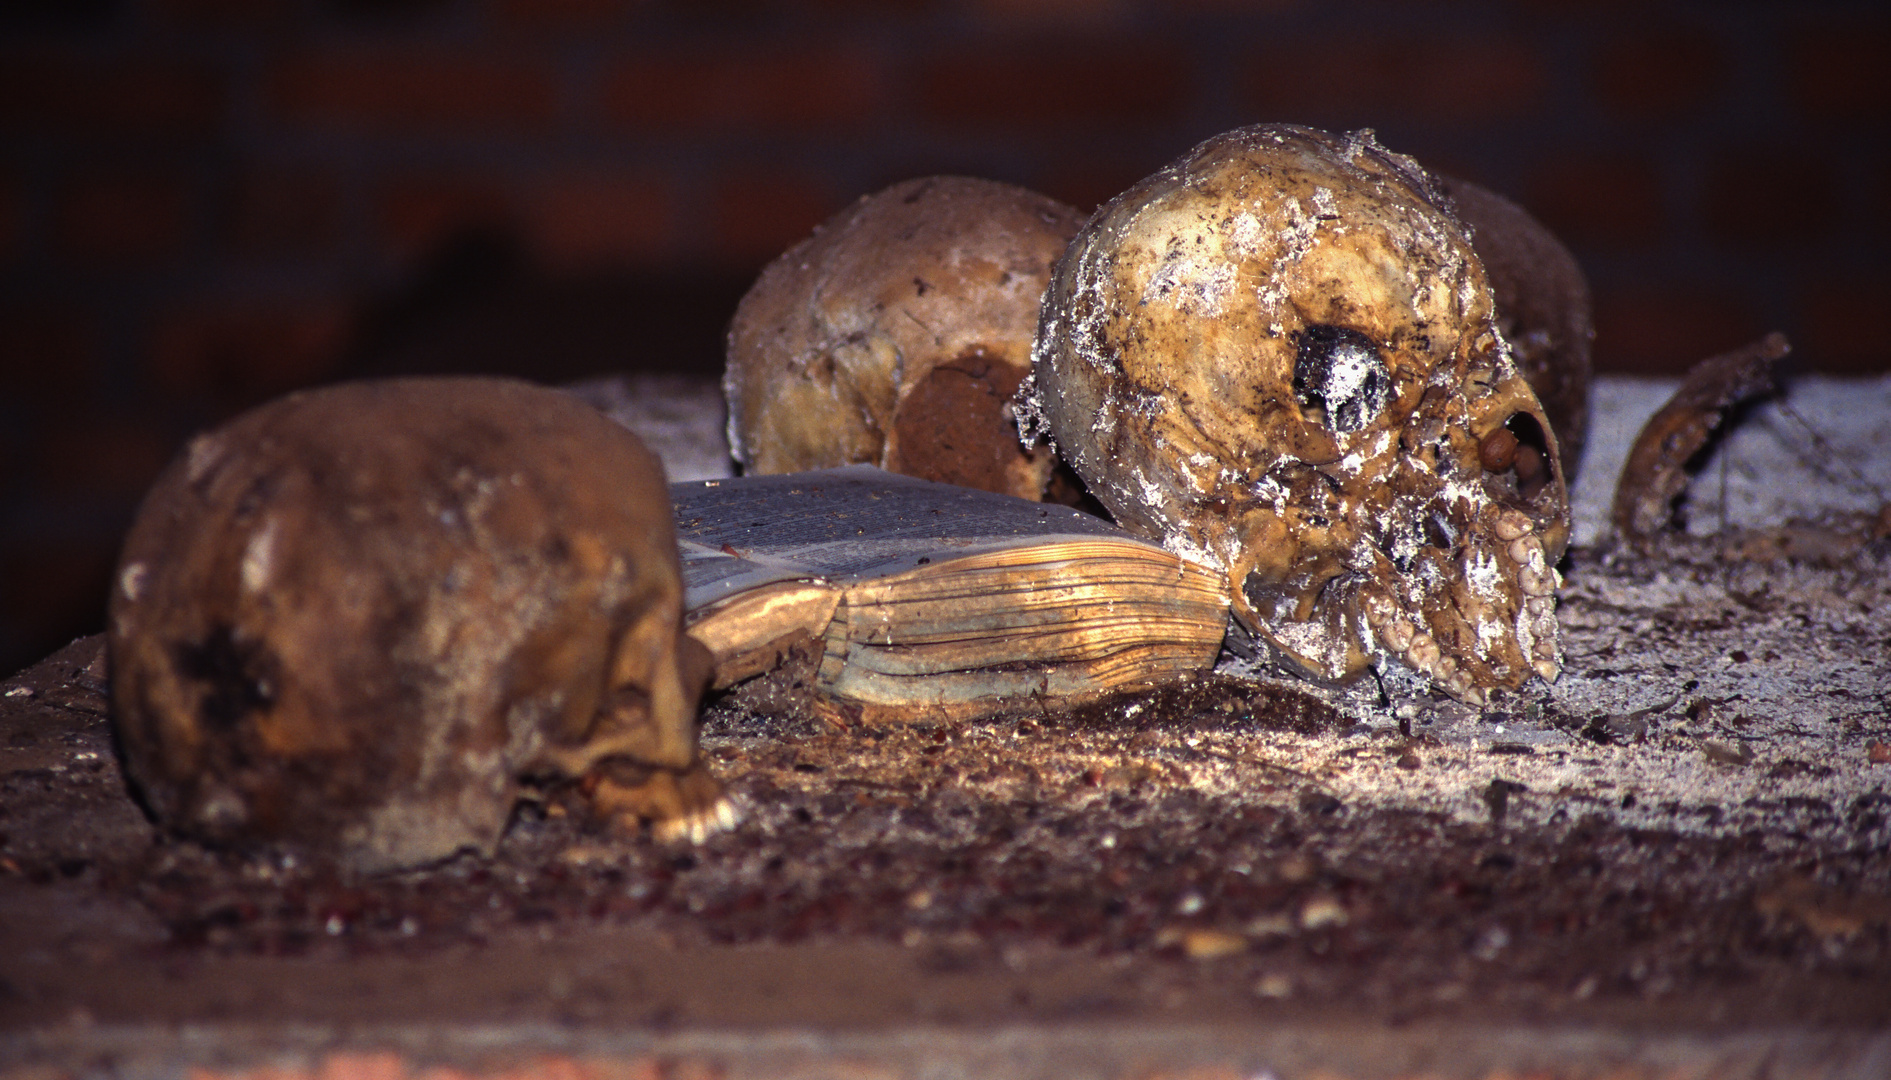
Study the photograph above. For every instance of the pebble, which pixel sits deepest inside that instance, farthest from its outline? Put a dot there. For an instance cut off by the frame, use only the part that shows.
(1273, 985)
(1322, 911)
(1212, 944)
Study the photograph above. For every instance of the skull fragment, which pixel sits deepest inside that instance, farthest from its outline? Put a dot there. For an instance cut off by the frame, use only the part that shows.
(896, 335)
(1278, 356)
(356, 620)
(1543, 308)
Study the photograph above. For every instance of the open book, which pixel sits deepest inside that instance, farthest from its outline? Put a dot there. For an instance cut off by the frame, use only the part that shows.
(928, 600)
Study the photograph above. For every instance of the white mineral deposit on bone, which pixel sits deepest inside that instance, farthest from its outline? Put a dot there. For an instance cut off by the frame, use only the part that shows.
(1346, 373)
(1197, 288)
(1244, 229)
(1294, 233)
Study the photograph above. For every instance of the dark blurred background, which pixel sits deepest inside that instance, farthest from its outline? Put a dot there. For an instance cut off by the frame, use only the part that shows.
(204, 203)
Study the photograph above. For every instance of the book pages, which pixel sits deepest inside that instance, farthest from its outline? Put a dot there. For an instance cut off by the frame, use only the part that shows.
(845, 524)
(933, 601)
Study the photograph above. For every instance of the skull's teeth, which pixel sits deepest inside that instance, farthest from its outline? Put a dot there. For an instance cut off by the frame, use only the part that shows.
(1527, 551)
(1513, 525)
(1422, 655)
(1548, 669)
(1540, 608)
(1536, 582)
(1423, 652)
(1543, 632)
(1534, 575)
(1379, 609)
(1391, 628)
(1398, 633)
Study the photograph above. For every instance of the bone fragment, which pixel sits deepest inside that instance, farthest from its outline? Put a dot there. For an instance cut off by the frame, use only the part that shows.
(1656, 474)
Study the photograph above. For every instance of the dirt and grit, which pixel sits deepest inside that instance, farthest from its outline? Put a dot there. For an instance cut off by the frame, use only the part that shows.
(1676, 861)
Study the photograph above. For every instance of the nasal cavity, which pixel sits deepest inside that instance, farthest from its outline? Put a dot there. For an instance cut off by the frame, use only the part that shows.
(1520, 448)
(1339, 378)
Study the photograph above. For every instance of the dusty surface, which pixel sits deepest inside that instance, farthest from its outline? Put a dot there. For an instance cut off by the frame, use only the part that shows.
(1676, 861)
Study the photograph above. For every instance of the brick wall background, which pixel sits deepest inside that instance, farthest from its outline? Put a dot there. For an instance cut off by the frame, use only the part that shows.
(204, 203)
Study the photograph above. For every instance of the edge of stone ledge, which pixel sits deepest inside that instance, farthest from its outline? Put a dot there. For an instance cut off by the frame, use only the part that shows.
(1090, 1051)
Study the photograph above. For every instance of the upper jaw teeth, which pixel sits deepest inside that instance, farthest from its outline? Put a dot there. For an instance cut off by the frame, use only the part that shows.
(1423, 651)
(1538, 581)
(1513, 525)
(1397, 632)
(1419, 650)
(1536, 621)
(1534, 574)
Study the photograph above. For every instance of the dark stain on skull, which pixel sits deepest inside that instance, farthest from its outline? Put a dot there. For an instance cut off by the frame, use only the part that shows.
(260, 491)
(1339, 377)
(1439, 532)
(236, 677)
(1519, 452)
(1531, 463)
(1498, 451)
(956, 426)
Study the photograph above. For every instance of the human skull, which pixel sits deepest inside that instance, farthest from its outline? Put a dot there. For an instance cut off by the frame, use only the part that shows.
(1278, 356)
(357, 618)
(896, 335)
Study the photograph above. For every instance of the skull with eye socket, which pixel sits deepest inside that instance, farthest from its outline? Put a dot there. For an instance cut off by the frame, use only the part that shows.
(1279, 356)
(366, 620)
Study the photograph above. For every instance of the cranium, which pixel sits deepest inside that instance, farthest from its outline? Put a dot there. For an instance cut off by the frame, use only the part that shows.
(1278, 356)
(896, 335)
(357, 618)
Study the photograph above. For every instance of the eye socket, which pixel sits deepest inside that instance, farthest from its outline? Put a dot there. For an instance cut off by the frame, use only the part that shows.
(1339, 378)
(1520, 447)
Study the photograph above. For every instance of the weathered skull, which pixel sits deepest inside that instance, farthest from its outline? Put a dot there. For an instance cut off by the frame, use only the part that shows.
(896, 335)
(1277, 355)
(354, 619)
